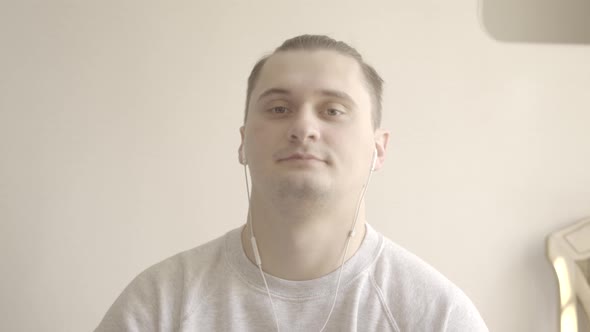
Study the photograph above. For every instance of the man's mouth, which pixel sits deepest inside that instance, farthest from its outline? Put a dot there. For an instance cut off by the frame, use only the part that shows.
(300, 157)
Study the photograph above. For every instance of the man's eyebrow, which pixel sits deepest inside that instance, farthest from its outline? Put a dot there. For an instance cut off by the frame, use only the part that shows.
(273, 91)
(325, 92)
(338, 94)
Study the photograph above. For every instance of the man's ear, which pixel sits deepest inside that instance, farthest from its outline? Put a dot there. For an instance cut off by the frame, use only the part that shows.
(381, 139)
(241, 152)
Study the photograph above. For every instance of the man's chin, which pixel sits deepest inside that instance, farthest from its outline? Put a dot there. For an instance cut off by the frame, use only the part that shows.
(303, 188)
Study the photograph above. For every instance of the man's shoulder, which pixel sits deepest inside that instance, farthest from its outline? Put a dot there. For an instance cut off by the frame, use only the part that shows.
(164, 293)
(413, 288)
(189, 263)
(402, 268)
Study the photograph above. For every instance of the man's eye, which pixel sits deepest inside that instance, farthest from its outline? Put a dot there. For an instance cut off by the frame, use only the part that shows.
(279, 110)
(333, 112)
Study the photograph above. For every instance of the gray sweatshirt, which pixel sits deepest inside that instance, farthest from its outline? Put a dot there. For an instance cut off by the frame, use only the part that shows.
(215, 287)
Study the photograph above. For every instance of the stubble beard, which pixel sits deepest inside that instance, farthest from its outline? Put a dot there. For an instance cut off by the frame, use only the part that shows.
(302, 197)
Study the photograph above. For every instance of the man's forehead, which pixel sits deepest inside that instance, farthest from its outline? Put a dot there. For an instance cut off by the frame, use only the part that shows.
(314, 70)
(310, 57)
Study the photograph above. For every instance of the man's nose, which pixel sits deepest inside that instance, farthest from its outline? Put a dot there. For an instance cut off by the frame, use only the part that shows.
(305, 126)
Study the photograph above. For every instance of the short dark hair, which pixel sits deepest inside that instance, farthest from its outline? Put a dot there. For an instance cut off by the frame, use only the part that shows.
(321, 42)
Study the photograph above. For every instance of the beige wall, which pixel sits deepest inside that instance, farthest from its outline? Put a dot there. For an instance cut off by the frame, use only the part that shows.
(119, 134)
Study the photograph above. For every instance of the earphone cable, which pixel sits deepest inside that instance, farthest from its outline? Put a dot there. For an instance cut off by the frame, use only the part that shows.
(350, 236)
(259, 261)
(256, 253)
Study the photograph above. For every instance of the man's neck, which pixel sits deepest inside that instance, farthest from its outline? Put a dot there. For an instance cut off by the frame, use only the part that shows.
(302, 246)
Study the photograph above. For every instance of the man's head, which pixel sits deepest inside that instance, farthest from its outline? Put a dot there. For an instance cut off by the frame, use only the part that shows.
(373, 81)
(311, 125)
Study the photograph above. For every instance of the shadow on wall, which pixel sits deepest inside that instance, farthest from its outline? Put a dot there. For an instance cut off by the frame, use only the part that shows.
(536, 21)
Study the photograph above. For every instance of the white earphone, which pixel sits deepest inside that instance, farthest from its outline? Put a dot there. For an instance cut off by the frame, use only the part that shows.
(374, 160)
(242, 157)
(243, 161)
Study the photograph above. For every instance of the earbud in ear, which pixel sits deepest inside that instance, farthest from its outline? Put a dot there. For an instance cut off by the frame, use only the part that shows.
(374, 160)
(242, 157)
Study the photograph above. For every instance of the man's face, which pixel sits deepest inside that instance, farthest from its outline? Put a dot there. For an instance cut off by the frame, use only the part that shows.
(309, 127)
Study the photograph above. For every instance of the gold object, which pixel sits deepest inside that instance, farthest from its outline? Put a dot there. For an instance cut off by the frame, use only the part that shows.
(568, 249)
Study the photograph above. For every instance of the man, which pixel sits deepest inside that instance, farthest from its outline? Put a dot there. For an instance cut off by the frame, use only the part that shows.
(311, 140)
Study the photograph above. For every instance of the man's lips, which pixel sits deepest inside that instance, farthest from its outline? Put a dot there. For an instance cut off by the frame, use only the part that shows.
(300, 156)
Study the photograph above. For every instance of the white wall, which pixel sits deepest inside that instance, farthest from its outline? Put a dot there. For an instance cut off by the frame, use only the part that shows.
(119, 134)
